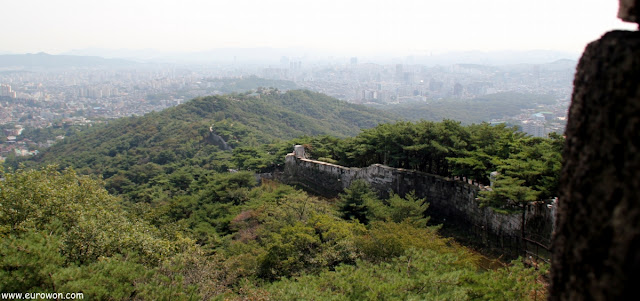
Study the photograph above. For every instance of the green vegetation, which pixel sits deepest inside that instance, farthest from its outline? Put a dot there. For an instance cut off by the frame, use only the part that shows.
(225, 85)
(418, 274)
(168, 154)
(481, 109)
(238, 85)
(157, 207)
(232, 241)
(143, 157)
(59, 230)
(42, 135)
(528, 167)
(360, 203)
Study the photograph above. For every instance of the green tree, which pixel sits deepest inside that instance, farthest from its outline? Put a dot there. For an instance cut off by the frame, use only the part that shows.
(27, 261)
(51, 221)
(289, 251)
(354, 202)
(507, 190)
(408, 209)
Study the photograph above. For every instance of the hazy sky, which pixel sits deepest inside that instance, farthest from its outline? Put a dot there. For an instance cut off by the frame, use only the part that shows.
(345, 26)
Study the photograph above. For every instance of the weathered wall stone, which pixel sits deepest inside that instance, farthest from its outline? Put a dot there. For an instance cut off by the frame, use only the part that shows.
(449, 199)
(597, 241)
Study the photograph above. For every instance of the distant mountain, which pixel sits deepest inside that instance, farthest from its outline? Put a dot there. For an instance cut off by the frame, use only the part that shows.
(561, 64)
(494, 57)
(273, 56)
(201, 131)
(47, 61)
(259, 55)
(126, 54)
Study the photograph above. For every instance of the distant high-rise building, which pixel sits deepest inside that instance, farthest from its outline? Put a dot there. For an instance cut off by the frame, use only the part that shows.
(534, 128)
(284, 61)
(106, 92)
(354, 61)
(5, 90)
(94, 93)
(407, 77)
(295, 65)
(435, 85)
(399, 72)
(369, 94)
(458, 89)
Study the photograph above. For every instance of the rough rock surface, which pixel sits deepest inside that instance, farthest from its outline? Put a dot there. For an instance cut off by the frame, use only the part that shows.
(597, 239)
(629, 10)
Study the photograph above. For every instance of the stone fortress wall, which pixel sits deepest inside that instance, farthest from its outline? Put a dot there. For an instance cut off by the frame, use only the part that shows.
(451, 200)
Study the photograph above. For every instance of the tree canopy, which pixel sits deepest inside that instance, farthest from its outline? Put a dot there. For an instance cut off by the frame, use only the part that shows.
(528, 167)
(61, 232)
(167, 206)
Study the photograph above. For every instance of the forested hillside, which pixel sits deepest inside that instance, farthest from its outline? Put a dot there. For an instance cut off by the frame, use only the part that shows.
(233, 240)
(480, 109)
(142, 156)
(166, 206)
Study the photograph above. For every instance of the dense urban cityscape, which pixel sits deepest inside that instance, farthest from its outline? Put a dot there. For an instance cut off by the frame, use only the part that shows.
(80, 96)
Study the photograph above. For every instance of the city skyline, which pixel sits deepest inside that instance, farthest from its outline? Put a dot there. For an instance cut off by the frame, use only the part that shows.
(344, 28)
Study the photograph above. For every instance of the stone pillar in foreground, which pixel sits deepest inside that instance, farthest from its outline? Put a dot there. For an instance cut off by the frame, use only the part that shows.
(596, 247)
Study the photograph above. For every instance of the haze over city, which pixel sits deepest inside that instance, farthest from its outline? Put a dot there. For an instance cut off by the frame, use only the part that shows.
(336, 27)
(377, 53)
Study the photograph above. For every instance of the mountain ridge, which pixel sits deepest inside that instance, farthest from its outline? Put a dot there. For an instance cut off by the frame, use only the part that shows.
(182, 136)
(45, 60)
